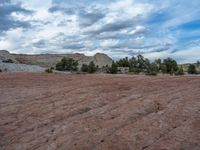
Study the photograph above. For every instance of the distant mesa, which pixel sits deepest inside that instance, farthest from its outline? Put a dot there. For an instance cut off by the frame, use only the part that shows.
(50, 60)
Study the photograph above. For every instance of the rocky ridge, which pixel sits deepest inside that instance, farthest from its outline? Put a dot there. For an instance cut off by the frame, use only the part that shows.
(49, 60)
(38, 63)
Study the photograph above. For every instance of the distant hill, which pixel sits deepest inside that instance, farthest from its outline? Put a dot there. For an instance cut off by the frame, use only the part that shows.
(49, 60)
(185, 66)
(14, 66)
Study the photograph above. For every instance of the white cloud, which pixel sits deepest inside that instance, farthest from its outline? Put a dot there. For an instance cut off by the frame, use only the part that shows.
(109, 43)
(138, 30)
(189, 55)
(4, 45)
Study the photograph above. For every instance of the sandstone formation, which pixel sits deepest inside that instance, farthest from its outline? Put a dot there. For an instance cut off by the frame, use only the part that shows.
(11, 67)
(99, 112)
(16, 66)
(50, 60)
(37, 63)
(5, 55)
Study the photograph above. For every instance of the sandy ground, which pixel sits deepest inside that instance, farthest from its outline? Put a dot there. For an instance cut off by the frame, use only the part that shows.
(99, 112)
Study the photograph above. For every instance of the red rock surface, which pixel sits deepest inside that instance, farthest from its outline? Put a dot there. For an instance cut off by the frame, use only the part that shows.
(99, 112)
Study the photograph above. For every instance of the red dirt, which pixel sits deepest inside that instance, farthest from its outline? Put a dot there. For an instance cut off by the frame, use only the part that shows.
(99, 112)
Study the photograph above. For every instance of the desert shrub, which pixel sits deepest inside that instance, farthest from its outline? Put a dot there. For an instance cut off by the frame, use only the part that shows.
(135, 70)
(158, 62)
(180, 71)
(113, 69)
(8, 61)
(192, 69)
(138, 64)
(169, 66)
(198, 63)
(152, 69)
(133, 62)
(92, 68)
(84, 68)
(123, 62)
(67, 64)
(49, 70)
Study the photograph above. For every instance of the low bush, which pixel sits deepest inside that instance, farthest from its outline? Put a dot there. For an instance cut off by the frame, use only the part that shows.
(49, 70)
(180, 71)
(67, 64)
(192, 69)
(113, 69)
(92, 68)
(8, 61)
(84, 68)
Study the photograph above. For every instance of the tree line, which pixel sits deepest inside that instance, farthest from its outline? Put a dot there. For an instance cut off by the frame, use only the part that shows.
(135, 65)
(139, 64)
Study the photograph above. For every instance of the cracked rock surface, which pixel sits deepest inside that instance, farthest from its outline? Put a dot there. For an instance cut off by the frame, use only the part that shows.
(99, 112)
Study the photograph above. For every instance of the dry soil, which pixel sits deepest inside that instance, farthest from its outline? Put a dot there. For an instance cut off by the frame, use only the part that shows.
(99, 112)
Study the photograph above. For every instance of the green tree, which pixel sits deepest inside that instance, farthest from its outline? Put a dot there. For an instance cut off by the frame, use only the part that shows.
(143, 63)
(152, 69)
(92, 68)
(198, 63)
(113, 69)
(158, 63)
(192, 69)
(49, 70)
(84, 68)
(180, 71)
(169, 66)
(133, 62)
(123, 62)
(139, 64)
(67, 64)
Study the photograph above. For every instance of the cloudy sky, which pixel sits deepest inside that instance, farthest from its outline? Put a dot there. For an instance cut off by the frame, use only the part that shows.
(119, 28)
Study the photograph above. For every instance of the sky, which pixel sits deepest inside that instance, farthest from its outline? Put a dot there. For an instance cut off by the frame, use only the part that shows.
(118, 28)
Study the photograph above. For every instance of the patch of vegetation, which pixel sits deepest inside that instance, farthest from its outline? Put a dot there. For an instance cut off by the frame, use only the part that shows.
(198, 63)
(136, 64)
(113, 69)
(152, 69)
(124, 62)
(8, 61)
(49, 70)
(169, 66)
(84, 68)
(192, 69)
(91, 68)
(180, 71)
(67, 64)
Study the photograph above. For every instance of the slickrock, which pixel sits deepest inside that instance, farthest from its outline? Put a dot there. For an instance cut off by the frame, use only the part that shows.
(99, 112)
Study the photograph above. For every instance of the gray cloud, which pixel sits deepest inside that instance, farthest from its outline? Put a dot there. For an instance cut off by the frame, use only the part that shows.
(89, 18)
(7, 9)
(4, 1)
(86, 18)
(7, 24)
(74, 46)
(40, 44)
(116, 26)
(56, 8)
(7, 21)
